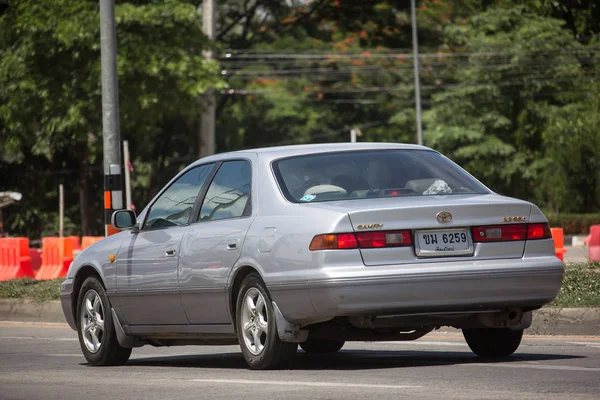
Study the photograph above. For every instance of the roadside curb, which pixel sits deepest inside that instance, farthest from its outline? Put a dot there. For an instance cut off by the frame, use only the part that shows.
(547, 321)
(31, 311)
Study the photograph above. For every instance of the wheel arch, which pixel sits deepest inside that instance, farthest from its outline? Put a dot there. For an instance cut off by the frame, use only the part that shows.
(81, 275)
(238, 277)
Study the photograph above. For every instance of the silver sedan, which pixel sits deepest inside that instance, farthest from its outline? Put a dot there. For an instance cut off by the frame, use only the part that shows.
(314, 246)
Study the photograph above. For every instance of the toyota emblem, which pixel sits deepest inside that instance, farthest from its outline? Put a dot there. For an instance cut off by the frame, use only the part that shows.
(443, 217)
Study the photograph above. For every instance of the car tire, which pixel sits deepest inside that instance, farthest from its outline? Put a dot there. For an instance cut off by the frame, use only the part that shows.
(321, 346)
(97, 336)
(256, 328)
(493, 342)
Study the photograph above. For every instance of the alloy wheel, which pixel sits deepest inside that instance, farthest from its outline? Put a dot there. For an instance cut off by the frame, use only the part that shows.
(92, 321)
(255, 323)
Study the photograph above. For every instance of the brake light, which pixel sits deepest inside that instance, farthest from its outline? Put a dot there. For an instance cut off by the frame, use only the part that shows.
(513, 232)
(539, 231)
(363, 240)
(346, 241)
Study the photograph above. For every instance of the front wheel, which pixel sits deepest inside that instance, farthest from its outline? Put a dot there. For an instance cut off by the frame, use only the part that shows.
(493, 342)
(322, 346)
(256, 328)
(97, 336)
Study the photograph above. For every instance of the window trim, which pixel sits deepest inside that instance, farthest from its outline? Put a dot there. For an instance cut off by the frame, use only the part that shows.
(196, 215)
(289, 198)
(195, 209)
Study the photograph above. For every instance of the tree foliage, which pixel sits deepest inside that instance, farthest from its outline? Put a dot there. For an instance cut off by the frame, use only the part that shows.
(509, 90)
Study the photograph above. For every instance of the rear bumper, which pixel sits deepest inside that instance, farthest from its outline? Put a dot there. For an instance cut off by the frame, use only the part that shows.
(476, 286)
(66, 293)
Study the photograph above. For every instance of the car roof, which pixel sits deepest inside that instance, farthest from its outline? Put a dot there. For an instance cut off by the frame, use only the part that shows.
(271, 153)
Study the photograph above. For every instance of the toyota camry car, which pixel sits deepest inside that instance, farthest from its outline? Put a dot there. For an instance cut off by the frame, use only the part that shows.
(314, 246)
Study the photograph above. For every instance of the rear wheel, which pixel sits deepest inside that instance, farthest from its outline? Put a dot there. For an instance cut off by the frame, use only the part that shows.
(322, 346)
(493, 342)
(256, 328)
(97, 336)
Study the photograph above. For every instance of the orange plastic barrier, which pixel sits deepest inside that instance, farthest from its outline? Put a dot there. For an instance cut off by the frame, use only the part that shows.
(559, 242)
(594, 243)
(87, 241)
(75, 240)
(36, 259)
(57, 254)
(14, 259)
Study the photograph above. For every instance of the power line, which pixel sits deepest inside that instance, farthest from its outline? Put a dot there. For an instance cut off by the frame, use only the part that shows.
(375, 55)
(377, 89)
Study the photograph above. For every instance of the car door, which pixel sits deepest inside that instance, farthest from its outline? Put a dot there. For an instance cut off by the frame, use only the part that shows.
(210, 247)
(147, 263)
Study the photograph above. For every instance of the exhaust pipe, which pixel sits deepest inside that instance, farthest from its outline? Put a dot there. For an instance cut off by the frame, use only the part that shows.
(509, 318)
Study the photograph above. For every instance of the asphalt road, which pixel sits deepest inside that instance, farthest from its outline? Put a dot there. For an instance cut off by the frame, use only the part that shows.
(43, 361)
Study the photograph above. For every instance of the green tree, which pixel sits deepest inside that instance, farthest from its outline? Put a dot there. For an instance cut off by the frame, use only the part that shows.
(50, 96)
(517, 108)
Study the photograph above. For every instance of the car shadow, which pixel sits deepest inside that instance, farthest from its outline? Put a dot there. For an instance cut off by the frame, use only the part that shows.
(346, 360)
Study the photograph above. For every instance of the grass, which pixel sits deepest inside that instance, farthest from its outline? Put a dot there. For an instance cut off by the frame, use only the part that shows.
(28, 288)
(580, 288)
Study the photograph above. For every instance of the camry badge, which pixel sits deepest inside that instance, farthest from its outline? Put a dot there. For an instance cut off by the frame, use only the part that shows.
(370, 226)
(443, 217)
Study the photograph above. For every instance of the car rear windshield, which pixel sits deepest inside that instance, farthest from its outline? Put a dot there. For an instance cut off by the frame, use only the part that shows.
(369, 174)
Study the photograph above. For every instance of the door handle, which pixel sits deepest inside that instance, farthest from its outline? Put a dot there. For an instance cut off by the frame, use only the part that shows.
(170, 253)
(232, 245)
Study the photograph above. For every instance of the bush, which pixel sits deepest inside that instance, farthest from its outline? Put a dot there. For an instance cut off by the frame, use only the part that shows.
(574, 224)
(580, 286)
(31, 289)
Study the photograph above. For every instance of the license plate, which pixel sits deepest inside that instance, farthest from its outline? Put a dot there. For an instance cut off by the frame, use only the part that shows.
(443, 243)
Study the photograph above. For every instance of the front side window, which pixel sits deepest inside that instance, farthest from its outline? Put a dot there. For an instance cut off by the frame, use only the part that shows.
(175, 205)
(368, 174)
(229, 193)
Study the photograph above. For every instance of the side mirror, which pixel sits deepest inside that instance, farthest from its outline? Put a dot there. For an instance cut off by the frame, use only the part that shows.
(123, 219)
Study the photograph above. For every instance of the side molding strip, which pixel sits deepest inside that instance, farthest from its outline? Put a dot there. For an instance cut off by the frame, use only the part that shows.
(287, 331)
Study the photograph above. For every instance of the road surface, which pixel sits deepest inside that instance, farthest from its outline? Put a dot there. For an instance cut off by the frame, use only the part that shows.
(43, 361)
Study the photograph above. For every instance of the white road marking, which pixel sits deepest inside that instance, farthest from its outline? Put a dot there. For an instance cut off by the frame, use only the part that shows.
(64, 355)
(304, 383)
(427, 343)
(532, 366)
(595, 345)
(37, 338)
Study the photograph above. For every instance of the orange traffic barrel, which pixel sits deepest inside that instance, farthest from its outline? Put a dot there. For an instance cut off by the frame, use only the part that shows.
(87, 241)
(57, 254)
(559, 242)
(14, 259)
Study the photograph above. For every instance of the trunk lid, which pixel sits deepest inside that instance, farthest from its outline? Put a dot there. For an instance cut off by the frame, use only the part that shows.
(419, 214)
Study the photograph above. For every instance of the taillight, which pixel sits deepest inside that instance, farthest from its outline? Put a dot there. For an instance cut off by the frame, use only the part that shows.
(499, 233)
(513, 232)
(331, 242)
(363, 240)
(369, 240)
(539, 231)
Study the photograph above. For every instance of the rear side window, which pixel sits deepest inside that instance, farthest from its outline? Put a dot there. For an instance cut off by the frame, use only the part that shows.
(228, 195)
(369, 174)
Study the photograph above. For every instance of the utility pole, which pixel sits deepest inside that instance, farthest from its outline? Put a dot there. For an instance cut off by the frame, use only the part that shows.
(127, 164)
(61, 210)
(113, 195)
(415, 41)
(207, 120)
